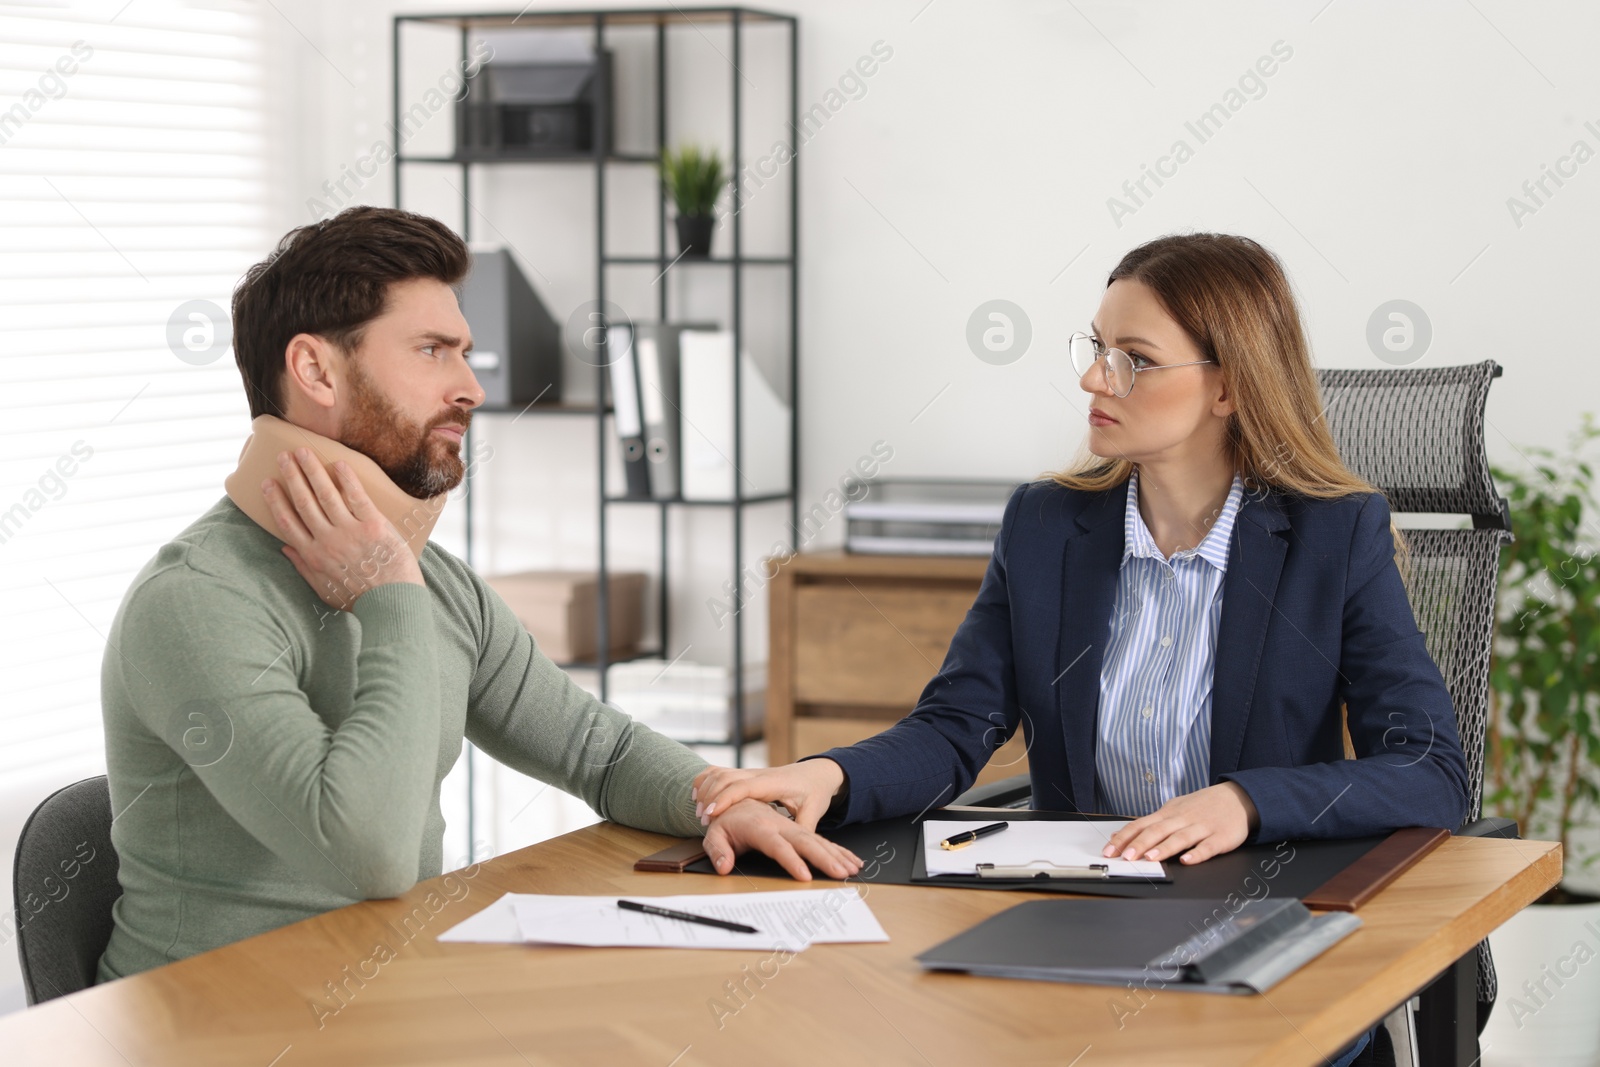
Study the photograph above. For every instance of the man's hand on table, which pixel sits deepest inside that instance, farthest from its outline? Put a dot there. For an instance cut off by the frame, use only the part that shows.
(752, 824)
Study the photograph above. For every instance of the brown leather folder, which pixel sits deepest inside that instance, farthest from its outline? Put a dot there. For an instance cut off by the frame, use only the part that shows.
(673, 858)
(1359, 882)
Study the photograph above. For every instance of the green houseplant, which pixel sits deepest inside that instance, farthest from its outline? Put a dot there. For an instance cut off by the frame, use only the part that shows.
(1544, 726)
(1543, 749)
(694, 178)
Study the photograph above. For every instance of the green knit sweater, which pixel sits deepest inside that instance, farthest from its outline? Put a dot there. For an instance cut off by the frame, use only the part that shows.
(271, 758)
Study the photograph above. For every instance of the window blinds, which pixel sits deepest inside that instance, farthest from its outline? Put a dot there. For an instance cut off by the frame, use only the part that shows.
(134, 171)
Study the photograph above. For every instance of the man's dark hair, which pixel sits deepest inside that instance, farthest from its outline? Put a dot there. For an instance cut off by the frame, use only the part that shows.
(332, 278)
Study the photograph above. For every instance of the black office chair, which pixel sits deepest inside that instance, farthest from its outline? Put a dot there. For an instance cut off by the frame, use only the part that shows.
(1417, 434)
(64, 882)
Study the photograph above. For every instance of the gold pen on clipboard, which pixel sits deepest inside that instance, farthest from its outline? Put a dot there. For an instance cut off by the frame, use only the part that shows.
(967, 837)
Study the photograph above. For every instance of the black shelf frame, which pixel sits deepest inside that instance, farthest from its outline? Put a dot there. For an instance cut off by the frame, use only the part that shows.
(585, 158)
(599, 20)
(678, 501)
(662, 261)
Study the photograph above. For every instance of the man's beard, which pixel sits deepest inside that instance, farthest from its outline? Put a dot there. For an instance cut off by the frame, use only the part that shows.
(421, 464)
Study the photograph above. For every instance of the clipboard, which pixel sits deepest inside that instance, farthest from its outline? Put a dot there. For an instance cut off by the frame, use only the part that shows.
(1036, 873)
(1042, 870)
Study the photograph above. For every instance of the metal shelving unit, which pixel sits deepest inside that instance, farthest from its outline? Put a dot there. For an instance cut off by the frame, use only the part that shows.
(737, 18)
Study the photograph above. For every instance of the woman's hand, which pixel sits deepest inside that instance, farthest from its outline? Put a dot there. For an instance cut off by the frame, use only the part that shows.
(754, 824)
(805, 789)
(1207, 822)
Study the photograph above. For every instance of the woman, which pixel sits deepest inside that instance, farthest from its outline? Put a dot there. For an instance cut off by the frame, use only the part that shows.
(1176, 622)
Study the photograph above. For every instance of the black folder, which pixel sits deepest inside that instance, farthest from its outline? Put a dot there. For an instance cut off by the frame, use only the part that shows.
(1211, 946)
(621, 353)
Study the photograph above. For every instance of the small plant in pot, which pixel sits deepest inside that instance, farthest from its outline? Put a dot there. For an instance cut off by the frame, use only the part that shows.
(694, 178)
(1543, 752)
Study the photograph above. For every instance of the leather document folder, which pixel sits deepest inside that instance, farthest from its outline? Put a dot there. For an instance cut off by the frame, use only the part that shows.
(1203, 945)
(1361, 880)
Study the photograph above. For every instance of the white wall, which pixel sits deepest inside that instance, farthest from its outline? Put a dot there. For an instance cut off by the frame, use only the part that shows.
(1377, 162)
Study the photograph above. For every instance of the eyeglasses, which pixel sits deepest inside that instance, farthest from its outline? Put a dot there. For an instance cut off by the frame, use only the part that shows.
(1087, 350)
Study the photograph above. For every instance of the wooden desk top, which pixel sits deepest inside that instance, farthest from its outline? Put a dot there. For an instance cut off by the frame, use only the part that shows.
(251, 1003)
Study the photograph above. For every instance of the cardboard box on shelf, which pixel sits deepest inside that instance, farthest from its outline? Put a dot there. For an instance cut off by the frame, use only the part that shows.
(561, 610)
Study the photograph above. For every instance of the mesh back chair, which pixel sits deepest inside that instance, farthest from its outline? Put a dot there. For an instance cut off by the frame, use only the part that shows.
(1417, 435)
(65, 881)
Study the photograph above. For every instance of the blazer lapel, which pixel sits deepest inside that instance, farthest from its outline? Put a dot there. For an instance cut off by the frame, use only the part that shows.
(1090, 566)
(1255, 560)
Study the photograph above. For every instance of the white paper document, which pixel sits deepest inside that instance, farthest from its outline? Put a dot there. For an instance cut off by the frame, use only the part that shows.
(496, 924)
(788, 919)
(1059, 844)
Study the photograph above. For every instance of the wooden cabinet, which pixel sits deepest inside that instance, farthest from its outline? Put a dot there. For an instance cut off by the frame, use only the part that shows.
(854, 641)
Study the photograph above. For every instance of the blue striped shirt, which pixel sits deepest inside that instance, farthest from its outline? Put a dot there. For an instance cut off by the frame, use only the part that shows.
(1155, 679)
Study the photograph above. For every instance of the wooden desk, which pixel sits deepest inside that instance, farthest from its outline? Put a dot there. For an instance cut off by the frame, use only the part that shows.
(509, 1005)
(854, 639)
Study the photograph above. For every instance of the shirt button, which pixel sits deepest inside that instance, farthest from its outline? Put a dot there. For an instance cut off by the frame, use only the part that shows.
(1147, 711)
(1149, 777)
(1166, 639)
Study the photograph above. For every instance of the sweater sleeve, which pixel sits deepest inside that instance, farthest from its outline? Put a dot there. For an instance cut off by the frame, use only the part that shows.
(526, 713)
(215, 676)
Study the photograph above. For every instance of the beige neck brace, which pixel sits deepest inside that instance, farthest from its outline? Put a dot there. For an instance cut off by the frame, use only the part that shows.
(258, 461)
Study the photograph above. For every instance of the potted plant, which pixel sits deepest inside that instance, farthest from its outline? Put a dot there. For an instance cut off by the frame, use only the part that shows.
(1543, 753)
(694, 178)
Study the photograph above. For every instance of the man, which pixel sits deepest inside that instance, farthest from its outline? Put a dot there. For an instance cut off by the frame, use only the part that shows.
(288, 681)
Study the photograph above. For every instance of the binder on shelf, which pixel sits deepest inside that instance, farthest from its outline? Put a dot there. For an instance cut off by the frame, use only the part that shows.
(707, 406)
(1202, 945)
(627, 414)
(516, 353)
(656, 351)
(656, 348)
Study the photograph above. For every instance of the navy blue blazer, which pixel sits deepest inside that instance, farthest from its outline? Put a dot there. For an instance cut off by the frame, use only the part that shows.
(1313, 615)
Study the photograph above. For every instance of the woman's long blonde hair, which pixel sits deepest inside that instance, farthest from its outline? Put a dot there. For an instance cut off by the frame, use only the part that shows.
(1233, 301)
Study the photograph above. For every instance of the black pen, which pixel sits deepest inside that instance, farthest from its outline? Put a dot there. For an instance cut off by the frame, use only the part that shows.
(967, 837)
(668, 913)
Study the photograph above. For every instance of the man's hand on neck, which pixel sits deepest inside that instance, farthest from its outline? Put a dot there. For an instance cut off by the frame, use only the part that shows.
(338, 540)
